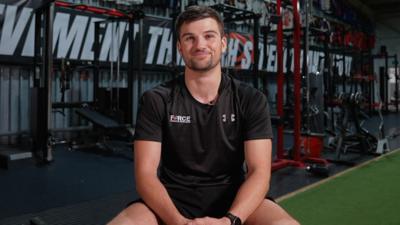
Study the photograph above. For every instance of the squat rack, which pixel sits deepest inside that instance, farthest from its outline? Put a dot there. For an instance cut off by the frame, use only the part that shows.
(295, 159)
(43, 69)
(280, 161)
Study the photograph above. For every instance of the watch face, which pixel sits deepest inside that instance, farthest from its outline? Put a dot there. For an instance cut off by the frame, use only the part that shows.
(237, 221)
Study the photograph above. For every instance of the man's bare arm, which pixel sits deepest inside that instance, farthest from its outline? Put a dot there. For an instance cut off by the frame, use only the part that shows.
(254, 189)
(147, 159)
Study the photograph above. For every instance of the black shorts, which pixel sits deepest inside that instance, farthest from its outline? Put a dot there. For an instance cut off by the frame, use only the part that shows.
(193, 203)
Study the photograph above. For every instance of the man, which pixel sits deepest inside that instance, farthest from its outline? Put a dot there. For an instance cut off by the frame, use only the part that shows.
(193, 135)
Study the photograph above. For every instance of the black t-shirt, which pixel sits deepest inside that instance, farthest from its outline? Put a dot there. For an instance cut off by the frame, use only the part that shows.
(202, 144)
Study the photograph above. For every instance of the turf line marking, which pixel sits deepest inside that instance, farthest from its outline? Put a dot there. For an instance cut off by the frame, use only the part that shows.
(283, 197)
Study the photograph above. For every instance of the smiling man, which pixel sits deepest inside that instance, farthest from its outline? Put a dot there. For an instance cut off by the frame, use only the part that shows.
(193, 136)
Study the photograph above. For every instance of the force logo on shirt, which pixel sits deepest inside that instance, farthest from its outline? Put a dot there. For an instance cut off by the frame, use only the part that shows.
(179, 119)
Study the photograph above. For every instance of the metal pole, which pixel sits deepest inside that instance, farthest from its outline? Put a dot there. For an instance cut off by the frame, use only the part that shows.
(96, 71)
(47, 70)
(344, 66)
(396, 77)
(174, 60)
(118, 62)
(385, 84)
(140, 67)
(297, 81)
(35, 106)
(265, 61)
(130, 70)
(256, 50)
(36, 60)
(305, 64)
(280, 83)
(112, 56)
(370, 82)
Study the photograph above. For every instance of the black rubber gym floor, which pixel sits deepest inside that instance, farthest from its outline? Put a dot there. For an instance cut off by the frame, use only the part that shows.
(89, 187)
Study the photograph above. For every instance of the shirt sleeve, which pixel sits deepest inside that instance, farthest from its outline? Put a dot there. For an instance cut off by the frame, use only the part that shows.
(257, 119)
(150, 117)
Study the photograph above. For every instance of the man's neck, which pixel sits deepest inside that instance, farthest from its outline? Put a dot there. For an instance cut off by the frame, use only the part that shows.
(203, 86)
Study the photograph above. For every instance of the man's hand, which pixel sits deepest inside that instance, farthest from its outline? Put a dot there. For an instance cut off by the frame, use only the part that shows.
(209, 221)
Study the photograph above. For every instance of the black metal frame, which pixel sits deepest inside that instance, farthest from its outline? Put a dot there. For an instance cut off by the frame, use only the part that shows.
(232, 14)
(43, 69)
(41, 92)
(131, 69)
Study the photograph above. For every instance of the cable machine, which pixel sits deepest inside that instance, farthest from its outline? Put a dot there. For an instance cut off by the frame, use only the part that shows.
(43, 74)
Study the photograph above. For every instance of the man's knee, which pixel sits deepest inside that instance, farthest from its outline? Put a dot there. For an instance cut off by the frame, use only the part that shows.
(136, 214)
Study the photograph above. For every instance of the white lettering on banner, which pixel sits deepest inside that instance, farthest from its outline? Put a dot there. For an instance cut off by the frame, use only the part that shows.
(126, 49)
(232, 51)
(310, 60)
(313, 67)
(339, 64)
(155, 32)
(122, 29)
(74, 37)
(66, 36)
(301, 59)
(164, 52)
(318, 63)
(105, 42)
(285, 60)
(348, 63)
(291, 66)
(271, 65)
(112, 41)
(12, 29)
(246, 61)
(87, 51)
(261, 55)
(29, 45)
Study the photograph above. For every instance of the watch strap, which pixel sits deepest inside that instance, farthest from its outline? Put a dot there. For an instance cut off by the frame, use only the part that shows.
(234, 219)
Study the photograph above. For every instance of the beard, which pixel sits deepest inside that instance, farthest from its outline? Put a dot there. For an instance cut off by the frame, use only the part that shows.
(201, 66)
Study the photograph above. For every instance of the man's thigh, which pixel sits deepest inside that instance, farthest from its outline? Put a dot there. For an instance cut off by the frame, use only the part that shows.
(270, 213)
(136, 214)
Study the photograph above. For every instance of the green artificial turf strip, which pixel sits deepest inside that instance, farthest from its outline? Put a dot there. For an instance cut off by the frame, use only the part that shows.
(369, 195)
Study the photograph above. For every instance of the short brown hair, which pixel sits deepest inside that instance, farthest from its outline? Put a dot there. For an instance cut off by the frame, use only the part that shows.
(197, 12)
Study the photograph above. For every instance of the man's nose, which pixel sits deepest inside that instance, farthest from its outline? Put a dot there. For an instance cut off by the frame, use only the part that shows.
(200, 43)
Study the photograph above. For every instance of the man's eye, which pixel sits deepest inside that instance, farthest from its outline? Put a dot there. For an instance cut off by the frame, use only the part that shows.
(189, 38)
(209, 36)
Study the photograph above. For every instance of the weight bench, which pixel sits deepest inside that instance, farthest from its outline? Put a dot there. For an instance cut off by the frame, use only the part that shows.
(105, 124)
(99, 119)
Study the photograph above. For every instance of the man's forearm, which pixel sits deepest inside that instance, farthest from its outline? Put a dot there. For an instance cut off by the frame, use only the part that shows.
(250, 195)
(156, 197)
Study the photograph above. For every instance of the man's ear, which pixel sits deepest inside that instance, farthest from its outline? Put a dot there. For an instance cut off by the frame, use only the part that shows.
(224, 43)
(179, 47)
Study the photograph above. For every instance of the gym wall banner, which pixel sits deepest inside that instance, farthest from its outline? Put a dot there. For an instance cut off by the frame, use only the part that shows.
(73, 37)
(24, 3)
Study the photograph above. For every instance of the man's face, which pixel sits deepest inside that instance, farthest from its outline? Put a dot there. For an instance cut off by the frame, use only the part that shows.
(201, 45)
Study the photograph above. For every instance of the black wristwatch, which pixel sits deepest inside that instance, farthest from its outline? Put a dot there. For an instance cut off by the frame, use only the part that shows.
(234, 219)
